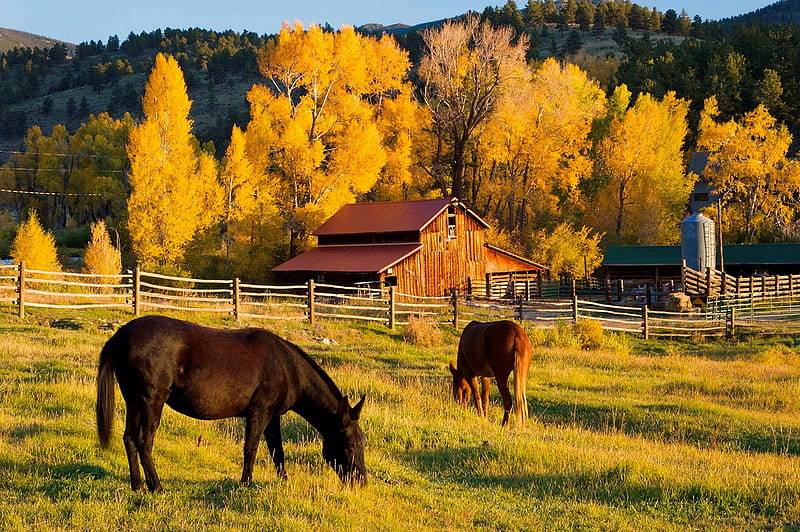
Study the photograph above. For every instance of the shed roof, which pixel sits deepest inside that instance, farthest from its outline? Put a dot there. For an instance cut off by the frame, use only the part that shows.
(375, 258)
(388, 217)
(745, 254)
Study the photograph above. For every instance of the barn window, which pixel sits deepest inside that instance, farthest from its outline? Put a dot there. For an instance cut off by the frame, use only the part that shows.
(701, 196)
(451, 222)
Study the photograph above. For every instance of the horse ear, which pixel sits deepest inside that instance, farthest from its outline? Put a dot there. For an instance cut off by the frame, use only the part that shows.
(355, 412)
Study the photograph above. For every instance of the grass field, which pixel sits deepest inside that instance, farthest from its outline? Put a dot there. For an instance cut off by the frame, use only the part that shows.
(631, 436)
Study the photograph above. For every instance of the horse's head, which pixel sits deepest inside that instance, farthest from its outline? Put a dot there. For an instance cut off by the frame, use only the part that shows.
(344, 449)
(461, 390)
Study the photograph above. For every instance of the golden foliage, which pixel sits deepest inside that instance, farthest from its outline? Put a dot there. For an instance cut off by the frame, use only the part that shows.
(341, 111)
(750, 170)
(535, 149)
(568, 253)
(174, 189)
(101, 256)
(34, 246)
(641, 159)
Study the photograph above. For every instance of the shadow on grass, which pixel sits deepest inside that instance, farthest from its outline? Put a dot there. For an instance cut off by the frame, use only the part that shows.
(623, 485)
(674, 423)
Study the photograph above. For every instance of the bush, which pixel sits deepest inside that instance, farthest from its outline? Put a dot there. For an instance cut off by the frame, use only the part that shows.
(422, 331)
(35, 246)
(590, 334)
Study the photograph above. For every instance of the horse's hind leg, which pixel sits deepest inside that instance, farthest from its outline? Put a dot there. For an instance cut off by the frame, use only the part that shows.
(140, 429)
(130, 438)
(275, 445)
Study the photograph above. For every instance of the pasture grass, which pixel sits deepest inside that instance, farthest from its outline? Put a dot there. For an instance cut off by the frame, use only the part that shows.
(632, 435)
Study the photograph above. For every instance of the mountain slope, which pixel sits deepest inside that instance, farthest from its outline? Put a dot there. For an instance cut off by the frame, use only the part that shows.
(10, 39)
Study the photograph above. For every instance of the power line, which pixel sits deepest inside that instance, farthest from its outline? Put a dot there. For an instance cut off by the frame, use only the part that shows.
(96, 156)
(29, 169)
(35, 193)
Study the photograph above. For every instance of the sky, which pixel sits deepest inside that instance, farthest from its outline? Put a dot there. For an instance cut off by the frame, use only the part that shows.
(76, 21)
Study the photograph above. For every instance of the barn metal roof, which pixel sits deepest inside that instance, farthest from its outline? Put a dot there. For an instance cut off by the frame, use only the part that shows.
(388, 217)
(353, 259)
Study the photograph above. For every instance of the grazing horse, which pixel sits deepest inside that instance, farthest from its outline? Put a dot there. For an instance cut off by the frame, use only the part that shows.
(493, 349)
(209, 373)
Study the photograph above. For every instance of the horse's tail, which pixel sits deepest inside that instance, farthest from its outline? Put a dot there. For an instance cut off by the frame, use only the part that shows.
(104, 408)
(522, 362)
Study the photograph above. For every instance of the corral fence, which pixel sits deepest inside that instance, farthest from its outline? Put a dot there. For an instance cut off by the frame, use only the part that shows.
(138, 291)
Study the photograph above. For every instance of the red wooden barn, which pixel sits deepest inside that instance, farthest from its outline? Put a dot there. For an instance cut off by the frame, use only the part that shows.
(425, 248)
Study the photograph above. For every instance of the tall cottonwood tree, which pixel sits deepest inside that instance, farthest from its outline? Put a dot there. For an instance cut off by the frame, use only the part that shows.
(465, 69)
(750, 170)
(174, 189)
(640, 161)
(533, 153)
(328, 123)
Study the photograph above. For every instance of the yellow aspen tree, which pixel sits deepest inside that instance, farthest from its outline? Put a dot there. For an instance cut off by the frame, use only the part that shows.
(101, 257)
(315, 132)
(34, 246)
(749, 169)
(174, 189)
(641, 161)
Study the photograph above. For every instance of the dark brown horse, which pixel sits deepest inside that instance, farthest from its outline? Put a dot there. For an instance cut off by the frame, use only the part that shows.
(213, 374)
(493, 349)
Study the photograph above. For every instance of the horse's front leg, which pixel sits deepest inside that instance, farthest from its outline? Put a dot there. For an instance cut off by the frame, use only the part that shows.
(275, 445)
(485, 384)
(473, 385)
(254, 427)
(502, 385)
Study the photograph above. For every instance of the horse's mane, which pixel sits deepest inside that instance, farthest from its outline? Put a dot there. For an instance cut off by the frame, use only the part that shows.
(314, 365)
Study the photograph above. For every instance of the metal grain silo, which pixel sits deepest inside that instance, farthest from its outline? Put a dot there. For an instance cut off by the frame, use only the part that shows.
(698, 246)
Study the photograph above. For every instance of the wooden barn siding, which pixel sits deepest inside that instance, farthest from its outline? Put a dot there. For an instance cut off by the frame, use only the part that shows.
(499, 262)
(442, 264)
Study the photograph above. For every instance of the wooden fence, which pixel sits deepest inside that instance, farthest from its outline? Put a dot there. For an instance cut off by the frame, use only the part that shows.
(716, 283)
(137, 291)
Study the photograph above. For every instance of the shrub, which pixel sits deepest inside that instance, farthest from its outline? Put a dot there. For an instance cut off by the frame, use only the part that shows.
(102, 257)
(422, 331)
(35, 246)
(590, 334)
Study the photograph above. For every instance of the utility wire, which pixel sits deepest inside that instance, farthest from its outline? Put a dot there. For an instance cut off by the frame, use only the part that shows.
(34, 193)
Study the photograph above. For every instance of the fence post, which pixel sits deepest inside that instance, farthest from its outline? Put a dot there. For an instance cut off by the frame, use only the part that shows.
(137, 290)
(645, 323)
(236, 300)
(454, 294)
(732, 324)
(391, 308)
(311, 317)
(21, 289)
(709, 280)
(683, 277)
(574, 308)
(488, 285)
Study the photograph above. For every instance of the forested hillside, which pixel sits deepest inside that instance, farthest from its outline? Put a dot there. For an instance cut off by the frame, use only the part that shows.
(556, 122)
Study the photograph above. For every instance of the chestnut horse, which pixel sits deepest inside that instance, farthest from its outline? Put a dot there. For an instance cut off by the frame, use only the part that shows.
(493, 349)
(209, 373)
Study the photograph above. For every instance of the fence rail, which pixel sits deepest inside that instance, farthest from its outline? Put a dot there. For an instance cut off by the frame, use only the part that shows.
(139, 291)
